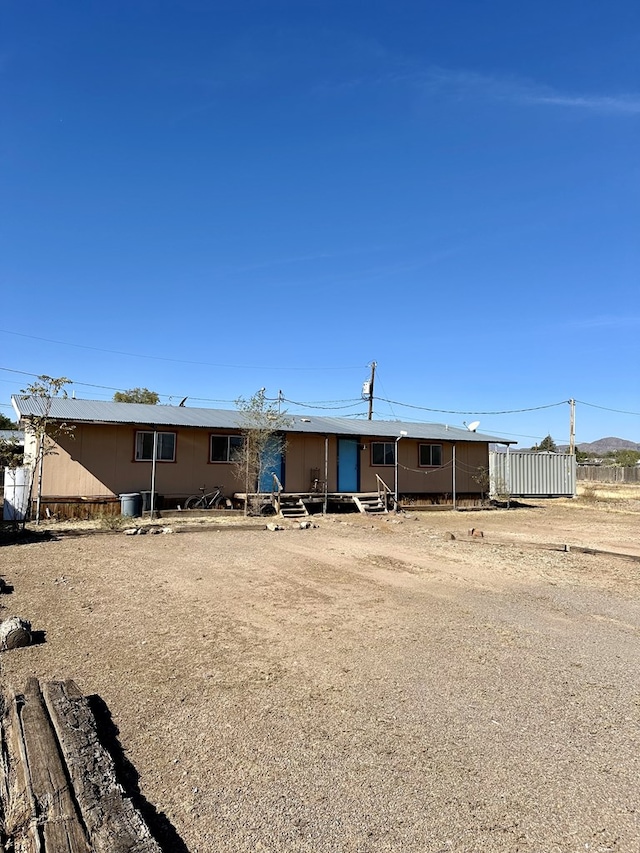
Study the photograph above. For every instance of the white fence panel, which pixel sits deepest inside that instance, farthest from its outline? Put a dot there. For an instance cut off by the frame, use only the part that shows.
(16, 494)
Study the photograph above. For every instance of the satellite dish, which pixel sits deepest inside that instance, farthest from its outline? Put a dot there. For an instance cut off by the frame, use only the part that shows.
(473, 426)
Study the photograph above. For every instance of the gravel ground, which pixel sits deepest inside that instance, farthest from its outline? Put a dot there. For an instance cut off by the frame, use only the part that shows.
(366, 685)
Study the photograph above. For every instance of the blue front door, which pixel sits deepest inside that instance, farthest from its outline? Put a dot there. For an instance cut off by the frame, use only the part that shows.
(272, 463)
(348, 453)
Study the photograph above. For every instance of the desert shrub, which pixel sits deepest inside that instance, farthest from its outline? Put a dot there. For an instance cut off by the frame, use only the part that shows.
(109, 521)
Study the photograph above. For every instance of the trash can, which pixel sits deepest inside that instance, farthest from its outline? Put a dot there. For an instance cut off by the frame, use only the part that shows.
(146, 501)
(130, 504)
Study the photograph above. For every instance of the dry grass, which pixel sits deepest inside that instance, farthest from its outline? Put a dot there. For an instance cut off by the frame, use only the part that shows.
(616, 495)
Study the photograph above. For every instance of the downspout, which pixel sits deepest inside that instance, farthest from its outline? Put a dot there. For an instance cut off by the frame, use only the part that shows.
(40, 473)
(246, 475)
(453, 475)
(326, 475)
(395, 477)
(395, 470)
(508, 479)
(153, 472)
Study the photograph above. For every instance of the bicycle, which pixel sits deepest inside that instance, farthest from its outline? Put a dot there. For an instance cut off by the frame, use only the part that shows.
(212, 500)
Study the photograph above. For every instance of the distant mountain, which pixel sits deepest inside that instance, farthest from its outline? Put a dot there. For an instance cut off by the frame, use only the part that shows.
(596, 448)
(604, 445)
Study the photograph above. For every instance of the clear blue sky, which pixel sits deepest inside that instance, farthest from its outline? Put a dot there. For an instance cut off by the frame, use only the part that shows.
(205, 198)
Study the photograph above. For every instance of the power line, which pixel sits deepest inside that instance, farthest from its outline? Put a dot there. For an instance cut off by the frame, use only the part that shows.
(347, 403)
(316, 406)
(178, 360)
(319, 402)
(607, 409)
(384, 391)
(473, 411)
(311, 404)
(516, 434)
(112, 388)
(352, 402)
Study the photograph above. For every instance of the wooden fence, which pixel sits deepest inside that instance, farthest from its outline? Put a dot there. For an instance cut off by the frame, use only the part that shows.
(608, 474)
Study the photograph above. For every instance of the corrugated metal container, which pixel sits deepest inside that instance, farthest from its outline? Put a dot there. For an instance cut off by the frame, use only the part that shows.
(529, 475)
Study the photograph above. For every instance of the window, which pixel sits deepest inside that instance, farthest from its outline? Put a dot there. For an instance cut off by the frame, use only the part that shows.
(225, 448)
(383, 453)
(166, 447)
(430, 455)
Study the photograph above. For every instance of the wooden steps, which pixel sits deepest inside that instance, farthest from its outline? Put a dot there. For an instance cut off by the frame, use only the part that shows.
(370, 504)
(292, 507)
(58, 787)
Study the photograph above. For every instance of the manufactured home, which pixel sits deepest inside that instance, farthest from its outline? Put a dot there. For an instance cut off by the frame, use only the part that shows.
(322, 463)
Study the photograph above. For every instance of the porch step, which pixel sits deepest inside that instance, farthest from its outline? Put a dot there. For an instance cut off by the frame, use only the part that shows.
(293, 508)
(370, 504)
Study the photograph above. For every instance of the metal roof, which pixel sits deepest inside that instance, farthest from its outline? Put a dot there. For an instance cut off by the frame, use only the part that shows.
(146, 415)
(12, 435)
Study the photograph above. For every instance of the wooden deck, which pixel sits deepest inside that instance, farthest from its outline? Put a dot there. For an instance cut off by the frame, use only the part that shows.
(358, 501)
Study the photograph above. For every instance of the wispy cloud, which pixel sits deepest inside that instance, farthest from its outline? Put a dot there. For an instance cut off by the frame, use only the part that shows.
(469, 84)
(302, 259)
(464, 84)
(606, 321)
(621, 104)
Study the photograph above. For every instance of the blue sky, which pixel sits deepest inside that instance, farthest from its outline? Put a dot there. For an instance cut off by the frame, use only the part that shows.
(205, 198)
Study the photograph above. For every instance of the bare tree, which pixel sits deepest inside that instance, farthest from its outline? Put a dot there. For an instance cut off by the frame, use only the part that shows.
(483, 478)
(41, 431)
(263, 444)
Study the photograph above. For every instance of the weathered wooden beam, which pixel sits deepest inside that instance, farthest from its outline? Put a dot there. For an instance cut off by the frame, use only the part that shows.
(58, 787)
(112, 822)
(20, 819)
(56, 813)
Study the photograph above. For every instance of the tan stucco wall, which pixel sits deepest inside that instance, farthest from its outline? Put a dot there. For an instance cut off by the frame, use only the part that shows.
(99, 460)
(412, 479)
(303, 454)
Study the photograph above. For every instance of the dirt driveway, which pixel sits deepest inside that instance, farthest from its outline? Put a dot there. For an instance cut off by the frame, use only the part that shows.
(366, 685)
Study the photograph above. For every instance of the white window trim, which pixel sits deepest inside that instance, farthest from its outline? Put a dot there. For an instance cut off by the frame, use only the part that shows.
(391, 444)
(228, 460)
(430, 464)
(150, 432)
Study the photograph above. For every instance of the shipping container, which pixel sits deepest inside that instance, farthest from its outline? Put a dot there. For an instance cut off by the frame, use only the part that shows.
(526, 474)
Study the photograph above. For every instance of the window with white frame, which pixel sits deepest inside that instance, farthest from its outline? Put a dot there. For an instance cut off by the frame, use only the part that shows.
(430, 455)
(383, 453)
(225, 448)
(166, 451)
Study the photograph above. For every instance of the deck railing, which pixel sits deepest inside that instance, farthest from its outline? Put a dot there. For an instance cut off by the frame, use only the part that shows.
(276, 490)
(384, 492)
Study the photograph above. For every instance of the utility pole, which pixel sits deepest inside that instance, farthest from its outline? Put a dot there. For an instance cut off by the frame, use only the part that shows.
(572, 427)
(373, 376)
